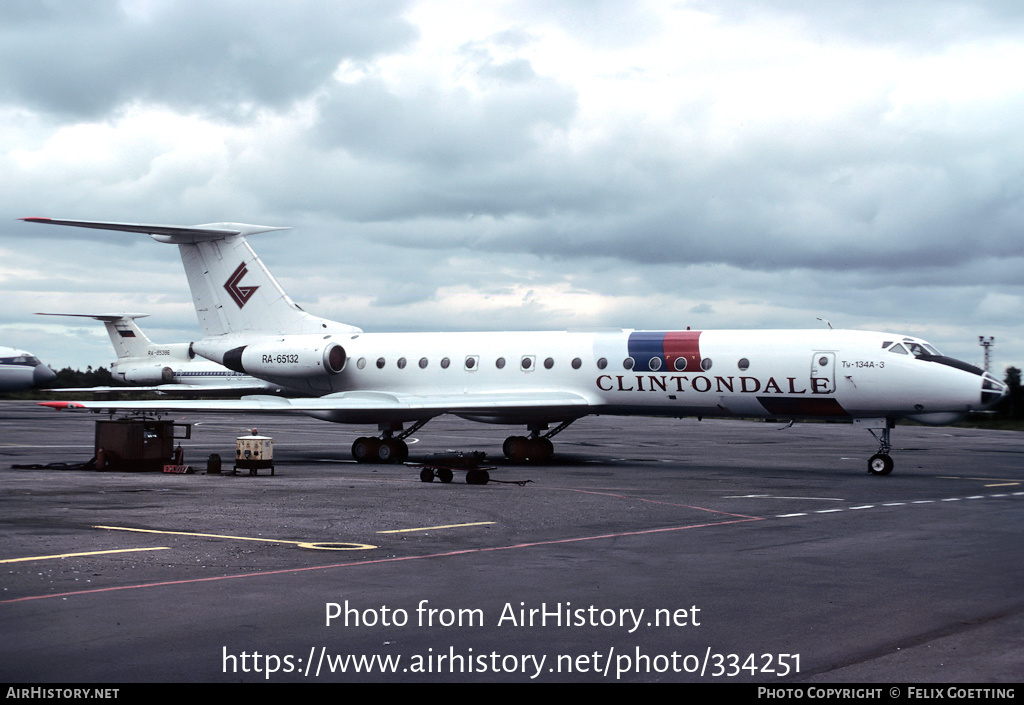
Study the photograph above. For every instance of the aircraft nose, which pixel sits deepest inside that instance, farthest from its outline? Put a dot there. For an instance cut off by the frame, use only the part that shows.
(992, 390)
(42, 375)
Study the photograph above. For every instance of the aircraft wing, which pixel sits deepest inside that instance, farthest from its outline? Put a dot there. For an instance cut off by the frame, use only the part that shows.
(235, 389)
(365, 406)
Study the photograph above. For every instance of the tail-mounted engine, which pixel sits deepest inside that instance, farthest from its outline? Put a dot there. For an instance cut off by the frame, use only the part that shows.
(153, 374)
(287, 360)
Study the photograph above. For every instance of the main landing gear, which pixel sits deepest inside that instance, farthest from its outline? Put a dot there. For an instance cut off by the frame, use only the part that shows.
(535, 448)
(389, 448)
(379, 450)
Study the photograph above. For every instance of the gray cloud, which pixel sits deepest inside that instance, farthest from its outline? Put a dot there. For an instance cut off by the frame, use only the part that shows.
(82, 60)
(447, 130)
(916, 23)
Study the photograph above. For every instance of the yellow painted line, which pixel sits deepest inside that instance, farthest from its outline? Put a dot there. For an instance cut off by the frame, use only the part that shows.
(86, 553)
(429, 528)
(996, 481)
(320, 546)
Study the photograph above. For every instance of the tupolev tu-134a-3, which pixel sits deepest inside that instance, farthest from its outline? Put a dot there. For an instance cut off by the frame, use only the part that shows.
(541, 380)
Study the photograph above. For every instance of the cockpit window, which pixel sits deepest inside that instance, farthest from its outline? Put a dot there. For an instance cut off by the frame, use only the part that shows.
(23, 360)
(915, 348)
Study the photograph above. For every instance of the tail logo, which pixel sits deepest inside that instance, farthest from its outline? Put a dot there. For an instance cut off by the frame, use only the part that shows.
(240, 294)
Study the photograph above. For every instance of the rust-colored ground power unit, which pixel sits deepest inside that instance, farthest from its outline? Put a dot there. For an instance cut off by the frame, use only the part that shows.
(139, 444)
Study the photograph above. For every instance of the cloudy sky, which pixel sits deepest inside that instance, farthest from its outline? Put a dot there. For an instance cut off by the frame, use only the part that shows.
(523, 165)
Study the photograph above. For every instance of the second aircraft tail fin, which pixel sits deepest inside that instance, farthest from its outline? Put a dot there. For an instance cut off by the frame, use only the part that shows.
(126, 337)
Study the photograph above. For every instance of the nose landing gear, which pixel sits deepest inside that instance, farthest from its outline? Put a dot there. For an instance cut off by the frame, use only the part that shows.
(881, 463)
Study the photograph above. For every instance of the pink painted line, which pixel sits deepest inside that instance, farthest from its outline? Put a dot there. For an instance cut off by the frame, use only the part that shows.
(670, 504)
(349, 564)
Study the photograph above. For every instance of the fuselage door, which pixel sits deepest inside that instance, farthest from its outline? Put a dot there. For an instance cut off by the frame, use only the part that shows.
(823, 372)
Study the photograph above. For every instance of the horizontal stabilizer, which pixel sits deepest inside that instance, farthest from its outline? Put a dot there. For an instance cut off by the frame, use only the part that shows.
(232, 290)
(105, 317)
(174, 234)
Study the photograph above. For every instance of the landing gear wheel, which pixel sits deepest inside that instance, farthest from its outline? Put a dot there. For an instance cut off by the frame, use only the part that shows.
(880, 464)
(445, 475)
(359, 450)
(477, 477)
(541, 450)
(427, 475)
(403, 451)
(392, 450)
(517, 448)
(520, 449)
(366, 450)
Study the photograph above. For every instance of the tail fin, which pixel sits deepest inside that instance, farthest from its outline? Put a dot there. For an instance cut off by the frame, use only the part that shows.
(233, 291)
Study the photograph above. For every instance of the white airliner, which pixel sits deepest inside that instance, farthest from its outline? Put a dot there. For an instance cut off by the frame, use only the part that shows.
(173, 367)
(22, 370)
(541, 380)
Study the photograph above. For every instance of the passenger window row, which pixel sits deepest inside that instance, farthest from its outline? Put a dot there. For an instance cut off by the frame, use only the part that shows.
(472, 362)
(529, 362)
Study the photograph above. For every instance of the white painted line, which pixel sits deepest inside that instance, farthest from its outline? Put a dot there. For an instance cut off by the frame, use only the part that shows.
(869, 506)
(772, 496)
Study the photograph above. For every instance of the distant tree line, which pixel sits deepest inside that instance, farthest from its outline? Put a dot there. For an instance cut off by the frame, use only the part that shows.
(100, 377)
(1013, 405)
(67, 377)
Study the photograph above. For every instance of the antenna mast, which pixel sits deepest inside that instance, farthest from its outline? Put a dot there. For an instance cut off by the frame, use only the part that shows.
(986, 343)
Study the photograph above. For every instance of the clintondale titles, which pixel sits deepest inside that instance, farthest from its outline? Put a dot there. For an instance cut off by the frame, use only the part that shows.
(557, 614)
(704, 383)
